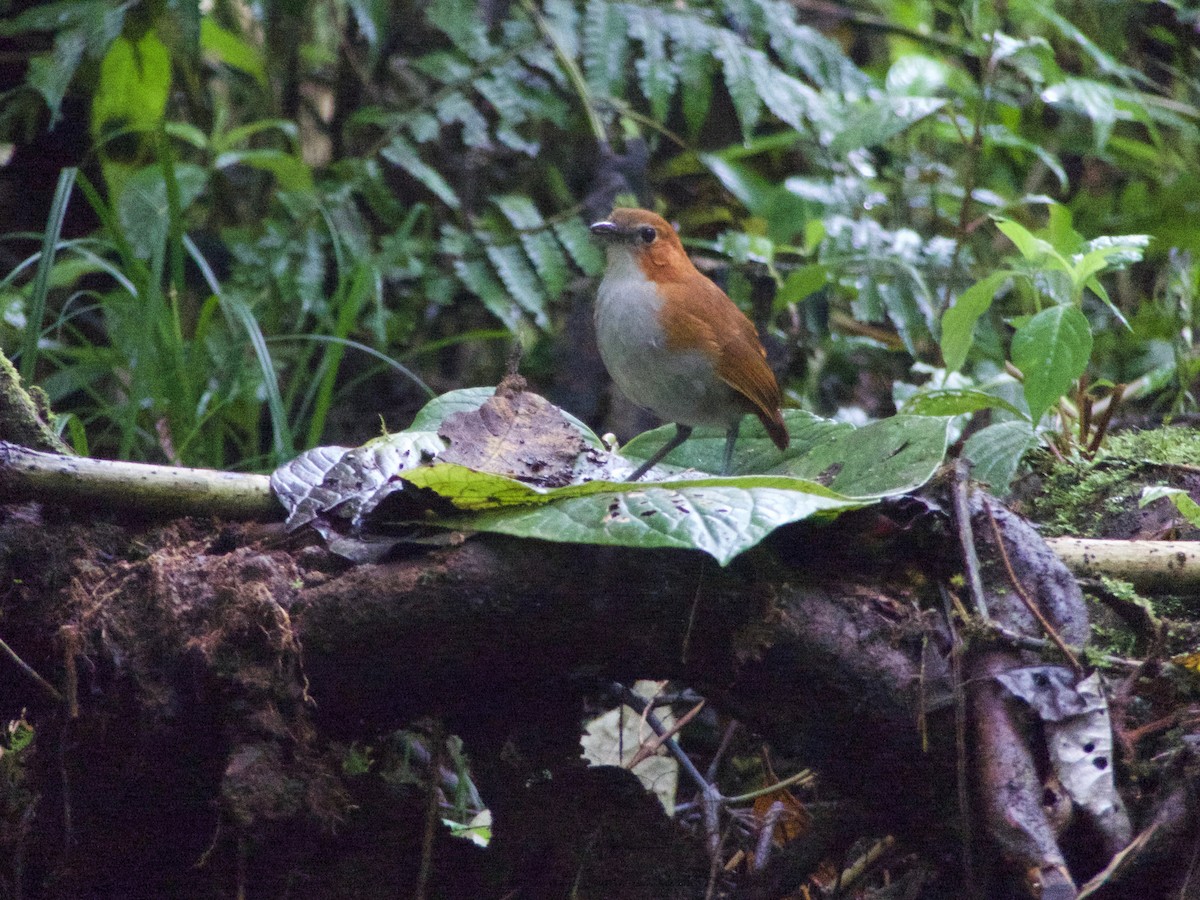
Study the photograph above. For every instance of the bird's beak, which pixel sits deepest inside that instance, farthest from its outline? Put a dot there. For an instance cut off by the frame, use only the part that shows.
(606, 230)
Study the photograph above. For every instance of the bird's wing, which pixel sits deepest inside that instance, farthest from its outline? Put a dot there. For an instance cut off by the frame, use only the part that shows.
(741, 359)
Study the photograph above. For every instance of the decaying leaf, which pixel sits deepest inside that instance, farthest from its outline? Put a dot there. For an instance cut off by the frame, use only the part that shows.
(1078, 738)
(514, 433)
(613, 739)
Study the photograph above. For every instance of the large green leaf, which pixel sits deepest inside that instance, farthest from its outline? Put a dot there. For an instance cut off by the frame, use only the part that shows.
(722, 517)
(1051, 350)
(887, 457)
(955, 402)
(135, 81)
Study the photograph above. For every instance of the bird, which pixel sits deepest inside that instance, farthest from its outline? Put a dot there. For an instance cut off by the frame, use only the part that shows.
(674, 342)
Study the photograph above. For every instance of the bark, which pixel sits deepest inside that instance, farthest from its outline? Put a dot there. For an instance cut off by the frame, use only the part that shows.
(209, 674)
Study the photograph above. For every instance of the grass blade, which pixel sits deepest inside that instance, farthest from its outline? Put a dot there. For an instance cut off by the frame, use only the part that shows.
(41, 280)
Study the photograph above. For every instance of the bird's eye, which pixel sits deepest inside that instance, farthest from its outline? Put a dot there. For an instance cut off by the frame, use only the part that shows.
(647, 234)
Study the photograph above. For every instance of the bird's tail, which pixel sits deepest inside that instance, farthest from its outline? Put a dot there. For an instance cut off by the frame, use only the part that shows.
(778, 432)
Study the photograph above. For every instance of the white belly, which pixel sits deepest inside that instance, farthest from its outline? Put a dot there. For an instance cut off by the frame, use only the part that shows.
(676, 386)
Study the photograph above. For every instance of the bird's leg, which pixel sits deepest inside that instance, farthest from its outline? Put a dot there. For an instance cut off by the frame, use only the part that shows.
(682, 433)
(731, 437)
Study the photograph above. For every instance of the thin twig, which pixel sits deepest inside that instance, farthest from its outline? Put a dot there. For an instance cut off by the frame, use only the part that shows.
(643, 708)
(1026, 642)
(715, 765)
(970, 177)
(714, 866)
(960, 737)
(762, 852)
(1105, 419)
(804, 776)
(47, 688)
(1027, 600)
(966, 538)
(860, 866)
(650, 747)
(687, 634)
(438, 738)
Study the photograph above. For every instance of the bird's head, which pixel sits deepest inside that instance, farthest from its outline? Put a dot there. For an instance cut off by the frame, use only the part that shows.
(645, 237)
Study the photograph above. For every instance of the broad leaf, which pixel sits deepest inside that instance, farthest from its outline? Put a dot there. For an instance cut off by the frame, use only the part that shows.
(1183, 501)
(721, 517)
(997, 450)
(887, 457)
(142, 207)
(1051, 350)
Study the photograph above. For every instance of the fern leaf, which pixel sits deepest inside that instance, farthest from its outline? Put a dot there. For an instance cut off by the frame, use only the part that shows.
(657, 75)
(461, 23)
(455, 108)
(573, 235)
(501, 89)
(789, 99)
(540, 245)
(479, 280)
(521, 281)
(403, 154)
(563, 17)
(605, 49)
(806, 49)
(740, 80)
(695, 76)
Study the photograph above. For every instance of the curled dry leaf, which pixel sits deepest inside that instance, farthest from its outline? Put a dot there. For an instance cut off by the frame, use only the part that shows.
(514, 433)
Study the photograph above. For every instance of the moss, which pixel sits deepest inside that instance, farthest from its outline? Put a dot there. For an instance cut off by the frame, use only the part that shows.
(1083, 497)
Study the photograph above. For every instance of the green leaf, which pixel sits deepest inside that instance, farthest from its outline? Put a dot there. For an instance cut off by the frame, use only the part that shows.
(477, 276)
(955, 402)
(801, 284)
(433, 413)
(1052, 350)
(50, 74)
(232, 50)
(573, 235)
(538, 241)
(1031, 248)
(519, 279)
(996, 451)
(874, 123)
(887, 457)
(403, 154)
(290, 171)
(739, 80)
(605, 48)
(658, 77)
(463, 24)
(716, 516)
(696, 83)
(1092, 99)
(1187, 507)
(135, 81)
(142, 207)
(958, 322)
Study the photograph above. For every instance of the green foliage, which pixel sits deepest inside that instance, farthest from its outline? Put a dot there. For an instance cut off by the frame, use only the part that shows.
(284, 207)
(829, 467)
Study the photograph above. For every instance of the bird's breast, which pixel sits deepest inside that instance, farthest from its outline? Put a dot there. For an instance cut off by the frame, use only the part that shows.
(677, 384)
